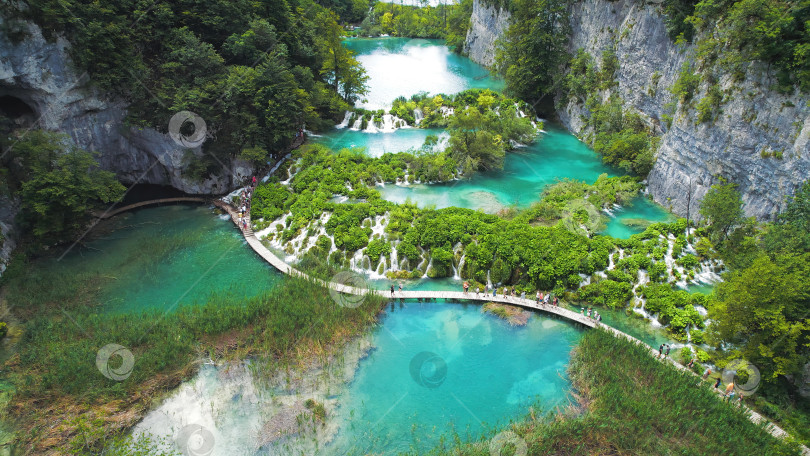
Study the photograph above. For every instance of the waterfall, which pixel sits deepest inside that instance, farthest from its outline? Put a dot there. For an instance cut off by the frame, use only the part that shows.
(346, 118)
(429, 265)
(418, 115)
(358, 124)
(394, 260)
(461, 264)
(371, 127)
(489, 282)
(387, 123)
(355, 263)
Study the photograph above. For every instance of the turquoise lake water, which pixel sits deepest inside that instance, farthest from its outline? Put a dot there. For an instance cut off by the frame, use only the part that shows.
(163, 257)
(406, 66)
(435, 369)
(481, 372)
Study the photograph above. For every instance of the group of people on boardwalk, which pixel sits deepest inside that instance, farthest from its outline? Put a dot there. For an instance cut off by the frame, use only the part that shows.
(591, 313)
(243, 208)
(511, 292)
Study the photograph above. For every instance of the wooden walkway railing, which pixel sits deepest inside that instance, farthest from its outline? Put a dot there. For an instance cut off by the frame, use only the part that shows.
(181, 199)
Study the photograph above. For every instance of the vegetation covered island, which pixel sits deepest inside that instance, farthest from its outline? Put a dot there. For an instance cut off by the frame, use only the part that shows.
(355, 227)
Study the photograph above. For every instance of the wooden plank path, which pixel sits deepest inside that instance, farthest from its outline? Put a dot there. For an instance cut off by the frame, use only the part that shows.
(530, 304)
(180, 199)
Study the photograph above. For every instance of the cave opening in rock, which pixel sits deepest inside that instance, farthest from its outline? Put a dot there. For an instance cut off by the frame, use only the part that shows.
(17, 110)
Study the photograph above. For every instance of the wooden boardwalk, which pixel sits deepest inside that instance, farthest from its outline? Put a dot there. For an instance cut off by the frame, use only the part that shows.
(181, 199)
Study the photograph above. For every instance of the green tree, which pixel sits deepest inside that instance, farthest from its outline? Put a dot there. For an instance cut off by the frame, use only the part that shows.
(340, 67)
(472, 145)
(533, 52)
(62, 185)
(763, 312)
(722, 208)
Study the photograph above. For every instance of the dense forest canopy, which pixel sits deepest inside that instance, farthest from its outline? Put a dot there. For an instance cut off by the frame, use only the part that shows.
(256, 71)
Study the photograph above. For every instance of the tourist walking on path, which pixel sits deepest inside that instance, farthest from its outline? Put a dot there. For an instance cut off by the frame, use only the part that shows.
(539, 296)
(667, 353)
(707, 372)
(477, 291)
(466, 287)
(556, 303)
(729, 392)
(392, 289)
(660, 350)
(400, 287)
(691, 363)
(717, 383)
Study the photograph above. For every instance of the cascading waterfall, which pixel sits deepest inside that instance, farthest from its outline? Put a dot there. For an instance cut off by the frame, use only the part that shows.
(457, 275)
(429, 265)
(346, 118)
(358, 124)
(387, 123)
(489, 282)
(418, 115)
(371, 127)
(394, 259)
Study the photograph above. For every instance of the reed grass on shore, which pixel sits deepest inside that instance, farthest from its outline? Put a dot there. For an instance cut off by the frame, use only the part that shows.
(632, 404)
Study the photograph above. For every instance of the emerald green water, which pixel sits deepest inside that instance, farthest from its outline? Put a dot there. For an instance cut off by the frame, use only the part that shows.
(406, 66)
(635, 217)
(163, 257)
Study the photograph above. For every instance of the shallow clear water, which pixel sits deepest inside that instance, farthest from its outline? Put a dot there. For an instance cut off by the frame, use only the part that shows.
(489, 373)
(556, 155)
(405, 66)
(622, 225)
(377, 144)
(162, 257)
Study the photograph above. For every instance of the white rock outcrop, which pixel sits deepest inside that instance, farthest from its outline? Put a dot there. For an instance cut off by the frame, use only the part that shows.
(755, 126)
(41, 74)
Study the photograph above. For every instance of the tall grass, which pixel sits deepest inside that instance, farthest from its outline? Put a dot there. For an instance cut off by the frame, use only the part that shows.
(633, 404)
(57, 356)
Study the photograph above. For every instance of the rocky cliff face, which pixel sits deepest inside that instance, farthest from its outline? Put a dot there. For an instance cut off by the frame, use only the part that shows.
(755, 125)
(40, 74)
(487, 24)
